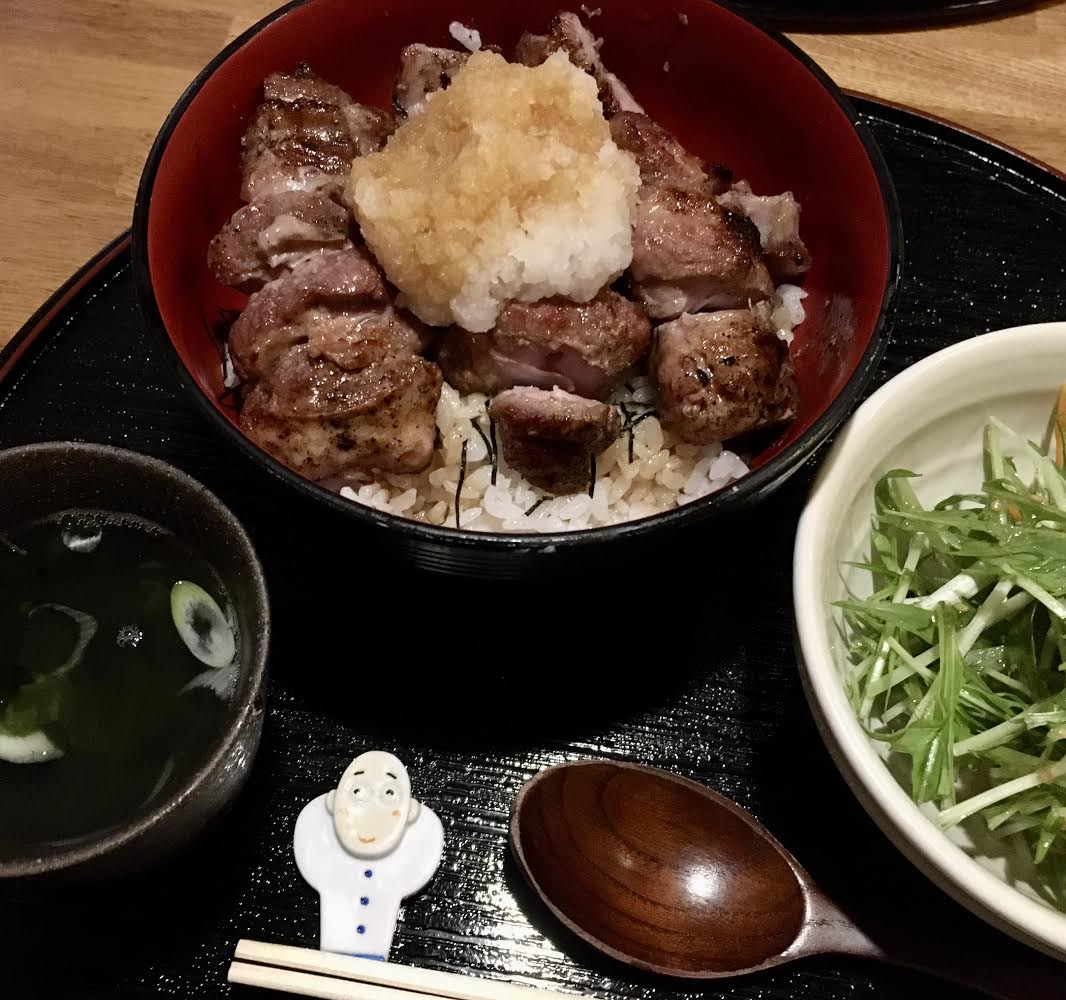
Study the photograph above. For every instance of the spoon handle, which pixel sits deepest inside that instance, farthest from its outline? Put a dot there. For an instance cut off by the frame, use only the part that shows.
(993, 964)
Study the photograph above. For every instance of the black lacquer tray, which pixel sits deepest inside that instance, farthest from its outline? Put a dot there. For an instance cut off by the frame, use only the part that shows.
(869, 14)
(685, 661)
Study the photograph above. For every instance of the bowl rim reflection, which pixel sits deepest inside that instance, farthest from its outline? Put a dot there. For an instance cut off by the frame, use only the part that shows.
(746, 490)
(877, 789)
(248, 696)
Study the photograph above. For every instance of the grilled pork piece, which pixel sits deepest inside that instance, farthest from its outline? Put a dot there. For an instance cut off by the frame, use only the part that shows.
(697, 243)
(580, 347)
(423, 70)
(350, 337)
(572, 37)
(662, 160)
(304, 136)
(777, 219)
(690, 253)
(722, 374)
(322, 421)
(331, 281)
(552, 437)
(264, 239)
(336, 381)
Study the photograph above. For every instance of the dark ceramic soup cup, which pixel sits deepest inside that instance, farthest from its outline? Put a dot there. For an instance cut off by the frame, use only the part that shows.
(43, 479)
(731, 91)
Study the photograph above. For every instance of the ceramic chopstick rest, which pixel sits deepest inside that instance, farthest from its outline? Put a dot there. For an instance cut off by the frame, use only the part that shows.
(364, 847)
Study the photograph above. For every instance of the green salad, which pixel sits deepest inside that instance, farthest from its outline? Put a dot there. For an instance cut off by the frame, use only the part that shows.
(959, 655)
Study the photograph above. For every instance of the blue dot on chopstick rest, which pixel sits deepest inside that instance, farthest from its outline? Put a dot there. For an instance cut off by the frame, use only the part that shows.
(368, 873)
(364, 900)
(360, 929)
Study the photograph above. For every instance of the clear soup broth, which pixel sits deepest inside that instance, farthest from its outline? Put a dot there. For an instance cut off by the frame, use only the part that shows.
(118, 657)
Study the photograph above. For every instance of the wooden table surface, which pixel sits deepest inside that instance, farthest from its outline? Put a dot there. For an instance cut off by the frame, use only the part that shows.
(86, 84)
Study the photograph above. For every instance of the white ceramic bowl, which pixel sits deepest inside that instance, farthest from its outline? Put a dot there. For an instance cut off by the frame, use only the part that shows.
(929, 419)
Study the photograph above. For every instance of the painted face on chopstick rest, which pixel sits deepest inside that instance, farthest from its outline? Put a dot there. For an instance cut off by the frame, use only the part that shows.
(372, 805)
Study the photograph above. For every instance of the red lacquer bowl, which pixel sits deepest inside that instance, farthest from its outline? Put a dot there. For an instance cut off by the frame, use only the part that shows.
(731, 91)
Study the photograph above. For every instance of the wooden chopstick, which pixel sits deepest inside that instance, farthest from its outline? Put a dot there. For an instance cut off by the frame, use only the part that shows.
(342, 977)
(307, 984)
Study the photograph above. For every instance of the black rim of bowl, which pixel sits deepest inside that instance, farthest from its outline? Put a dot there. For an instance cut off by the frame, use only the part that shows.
(55, 858)
(738, 494)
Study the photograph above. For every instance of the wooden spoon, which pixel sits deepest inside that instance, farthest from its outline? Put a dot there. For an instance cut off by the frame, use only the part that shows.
(666, 875)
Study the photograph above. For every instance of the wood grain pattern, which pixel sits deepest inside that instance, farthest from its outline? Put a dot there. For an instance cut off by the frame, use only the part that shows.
(657, 870)
(88, 82)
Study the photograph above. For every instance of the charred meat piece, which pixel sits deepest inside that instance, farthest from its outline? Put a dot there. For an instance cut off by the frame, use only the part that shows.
(552, 436)
(304, 136)
(333, 280)
(568, 34)
(532, 50)
(264, 239)
(687, 255)
(322, 421)
(349, 337)
(352, 339)
(368, 128)
(777, 219)
(470, 364)
(423, 70)
(722, 374)
(690, 253)
(585, 347)
(580, 347)
(662, 160)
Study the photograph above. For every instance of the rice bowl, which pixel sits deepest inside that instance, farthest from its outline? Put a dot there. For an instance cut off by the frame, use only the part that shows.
(858, 249)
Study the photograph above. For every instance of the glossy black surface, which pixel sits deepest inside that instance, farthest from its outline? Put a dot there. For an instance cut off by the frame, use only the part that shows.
(682, 660)
(873, 13)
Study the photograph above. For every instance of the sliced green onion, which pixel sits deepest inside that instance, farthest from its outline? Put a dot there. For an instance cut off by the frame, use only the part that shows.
(33, 748)
(220, 681)
(81, 543)
(86, 630)
(202, 625)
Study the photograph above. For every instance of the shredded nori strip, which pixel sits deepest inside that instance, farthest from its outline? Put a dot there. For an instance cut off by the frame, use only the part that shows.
(627, 428)
(490, 442)
(495, 453)
(592, 476)
(631, 421)
(536, 504)
(626, 418)
(230, 396)
(219, 331)
(459, 485)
